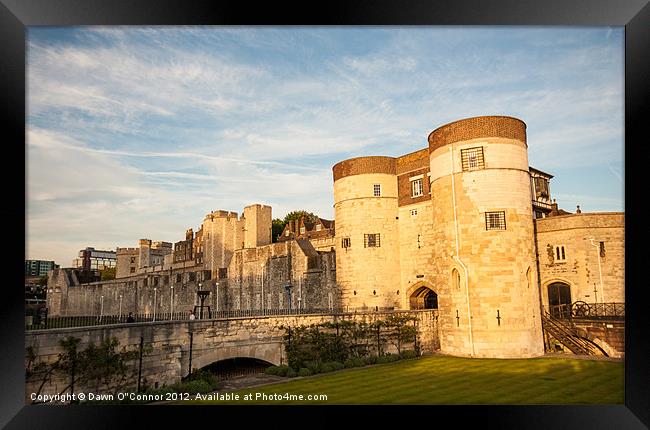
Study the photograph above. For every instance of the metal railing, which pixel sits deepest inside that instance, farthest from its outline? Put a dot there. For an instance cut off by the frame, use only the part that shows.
(54, 322)
(583, 310)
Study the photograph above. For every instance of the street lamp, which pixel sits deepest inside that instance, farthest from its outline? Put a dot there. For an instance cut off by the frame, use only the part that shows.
(288, 288)
(600, 273)
(171, 305)
(217, 284)
(155, 293)
(120, 313)
(101, 308)
(262, 302)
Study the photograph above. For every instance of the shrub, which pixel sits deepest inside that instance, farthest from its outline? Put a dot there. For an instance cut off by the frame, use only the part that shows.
(326, 368)
(277, 370)
(387, 358)
(371, 359)
(349, 363)
(314, 366)
(291, 373)
(194, 387)
(409, 354)
(204, 375)
(336, 365)
(305, 372)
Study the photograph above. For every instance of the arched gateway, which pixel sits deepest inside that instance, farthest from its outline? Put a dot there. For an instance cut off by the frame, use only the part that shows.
(423, 298)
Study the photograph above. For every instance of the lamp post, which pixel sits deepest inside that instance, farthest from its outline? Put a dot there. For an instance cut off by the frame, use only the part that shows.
(202, 296)
(600, 272)
(171, 304)
(217, 285)
(155, 293)
(262, 301)
(288, 288)
(101, 308)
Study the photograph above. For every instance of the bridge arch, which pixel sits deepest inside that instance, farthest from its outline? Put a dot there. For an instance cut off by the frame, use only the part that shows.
(422, 296)
(271, 353)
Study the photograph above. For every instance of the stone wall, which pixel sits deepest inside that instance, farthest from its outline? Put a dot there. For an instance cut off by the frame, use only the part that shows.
(492, 310)
(580, 270)
(212, 340)
(369, 276)
(312, 273)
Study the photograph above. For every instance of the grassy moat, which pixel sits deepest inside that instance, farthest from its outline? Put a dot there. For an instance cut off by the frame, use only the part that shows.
(451, 380)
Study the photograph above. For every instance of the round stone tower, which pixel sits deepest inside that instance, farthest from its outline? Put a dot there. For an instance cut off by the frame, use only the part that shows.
(367, 248)
(484, 255)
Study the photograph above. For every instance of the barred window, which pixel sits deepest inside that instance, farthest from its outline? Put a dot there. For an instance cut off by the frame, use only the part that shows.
(222, 273)
(416, 188)
(132, 269)
(345, 242)
(192, 276)
(376, 188)
(472, 158)
(371, 240)
(178, 277)
(495, 220)
(414, 212)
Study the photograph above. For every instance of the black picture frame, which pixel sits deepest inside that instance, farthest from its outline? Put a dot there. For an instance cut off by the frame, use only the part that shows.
(16, 15)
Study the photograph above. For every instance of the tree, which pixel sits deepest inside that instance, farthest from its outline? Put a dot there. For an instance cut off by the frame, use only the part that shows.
(277, 225)
(108, 273)
(98, 366)
(296, 215)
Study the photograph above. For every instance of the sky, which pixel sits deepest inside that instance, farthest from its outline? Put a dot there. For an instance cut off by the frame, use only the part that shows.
(139, 132)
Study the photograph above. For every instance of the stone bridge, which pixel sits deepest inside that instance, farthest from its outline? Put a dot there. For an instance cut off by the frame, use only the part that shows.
(174, 343)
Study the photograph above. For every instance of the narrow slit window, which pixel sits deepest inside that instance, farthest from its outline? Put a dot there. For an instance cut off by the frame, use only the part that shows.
(345, 242)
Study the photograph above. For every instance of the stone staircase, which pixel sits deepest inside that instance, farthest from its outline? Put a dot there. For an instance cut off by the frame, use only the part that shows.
(567, 335)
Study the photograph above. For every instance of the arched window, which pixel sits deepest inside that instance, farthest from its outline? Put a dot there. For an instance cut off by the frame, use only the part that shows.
(455, 279)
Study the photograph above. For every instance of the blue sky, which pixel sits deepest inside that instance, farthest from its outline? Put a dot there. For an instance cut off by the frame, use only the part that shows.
(138, 132)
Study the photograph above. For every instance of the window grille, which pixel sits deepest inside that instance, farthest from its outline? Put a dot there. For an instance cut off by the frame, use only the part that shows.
(414, 212)
(376, 188)
(472, 158)
(371, 240)
(495, 220)
(345, 242)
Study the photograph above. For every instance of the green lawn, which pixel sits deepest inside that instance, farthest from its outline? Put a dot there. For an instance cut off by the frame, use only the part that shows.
(451, 380)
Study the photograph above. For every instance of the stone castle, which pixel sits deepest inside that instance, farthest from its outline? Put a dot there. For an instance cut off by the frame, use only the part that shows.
(464, 226)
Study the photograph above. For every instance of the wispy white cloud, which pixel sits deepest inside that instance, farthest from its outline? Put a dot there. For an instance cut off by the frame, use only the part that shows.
(136, 132)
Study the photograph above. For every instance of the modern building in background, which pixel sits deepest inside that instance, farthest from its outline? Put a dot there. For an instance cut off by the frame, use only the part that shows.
(92, 259)
(39, 267)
